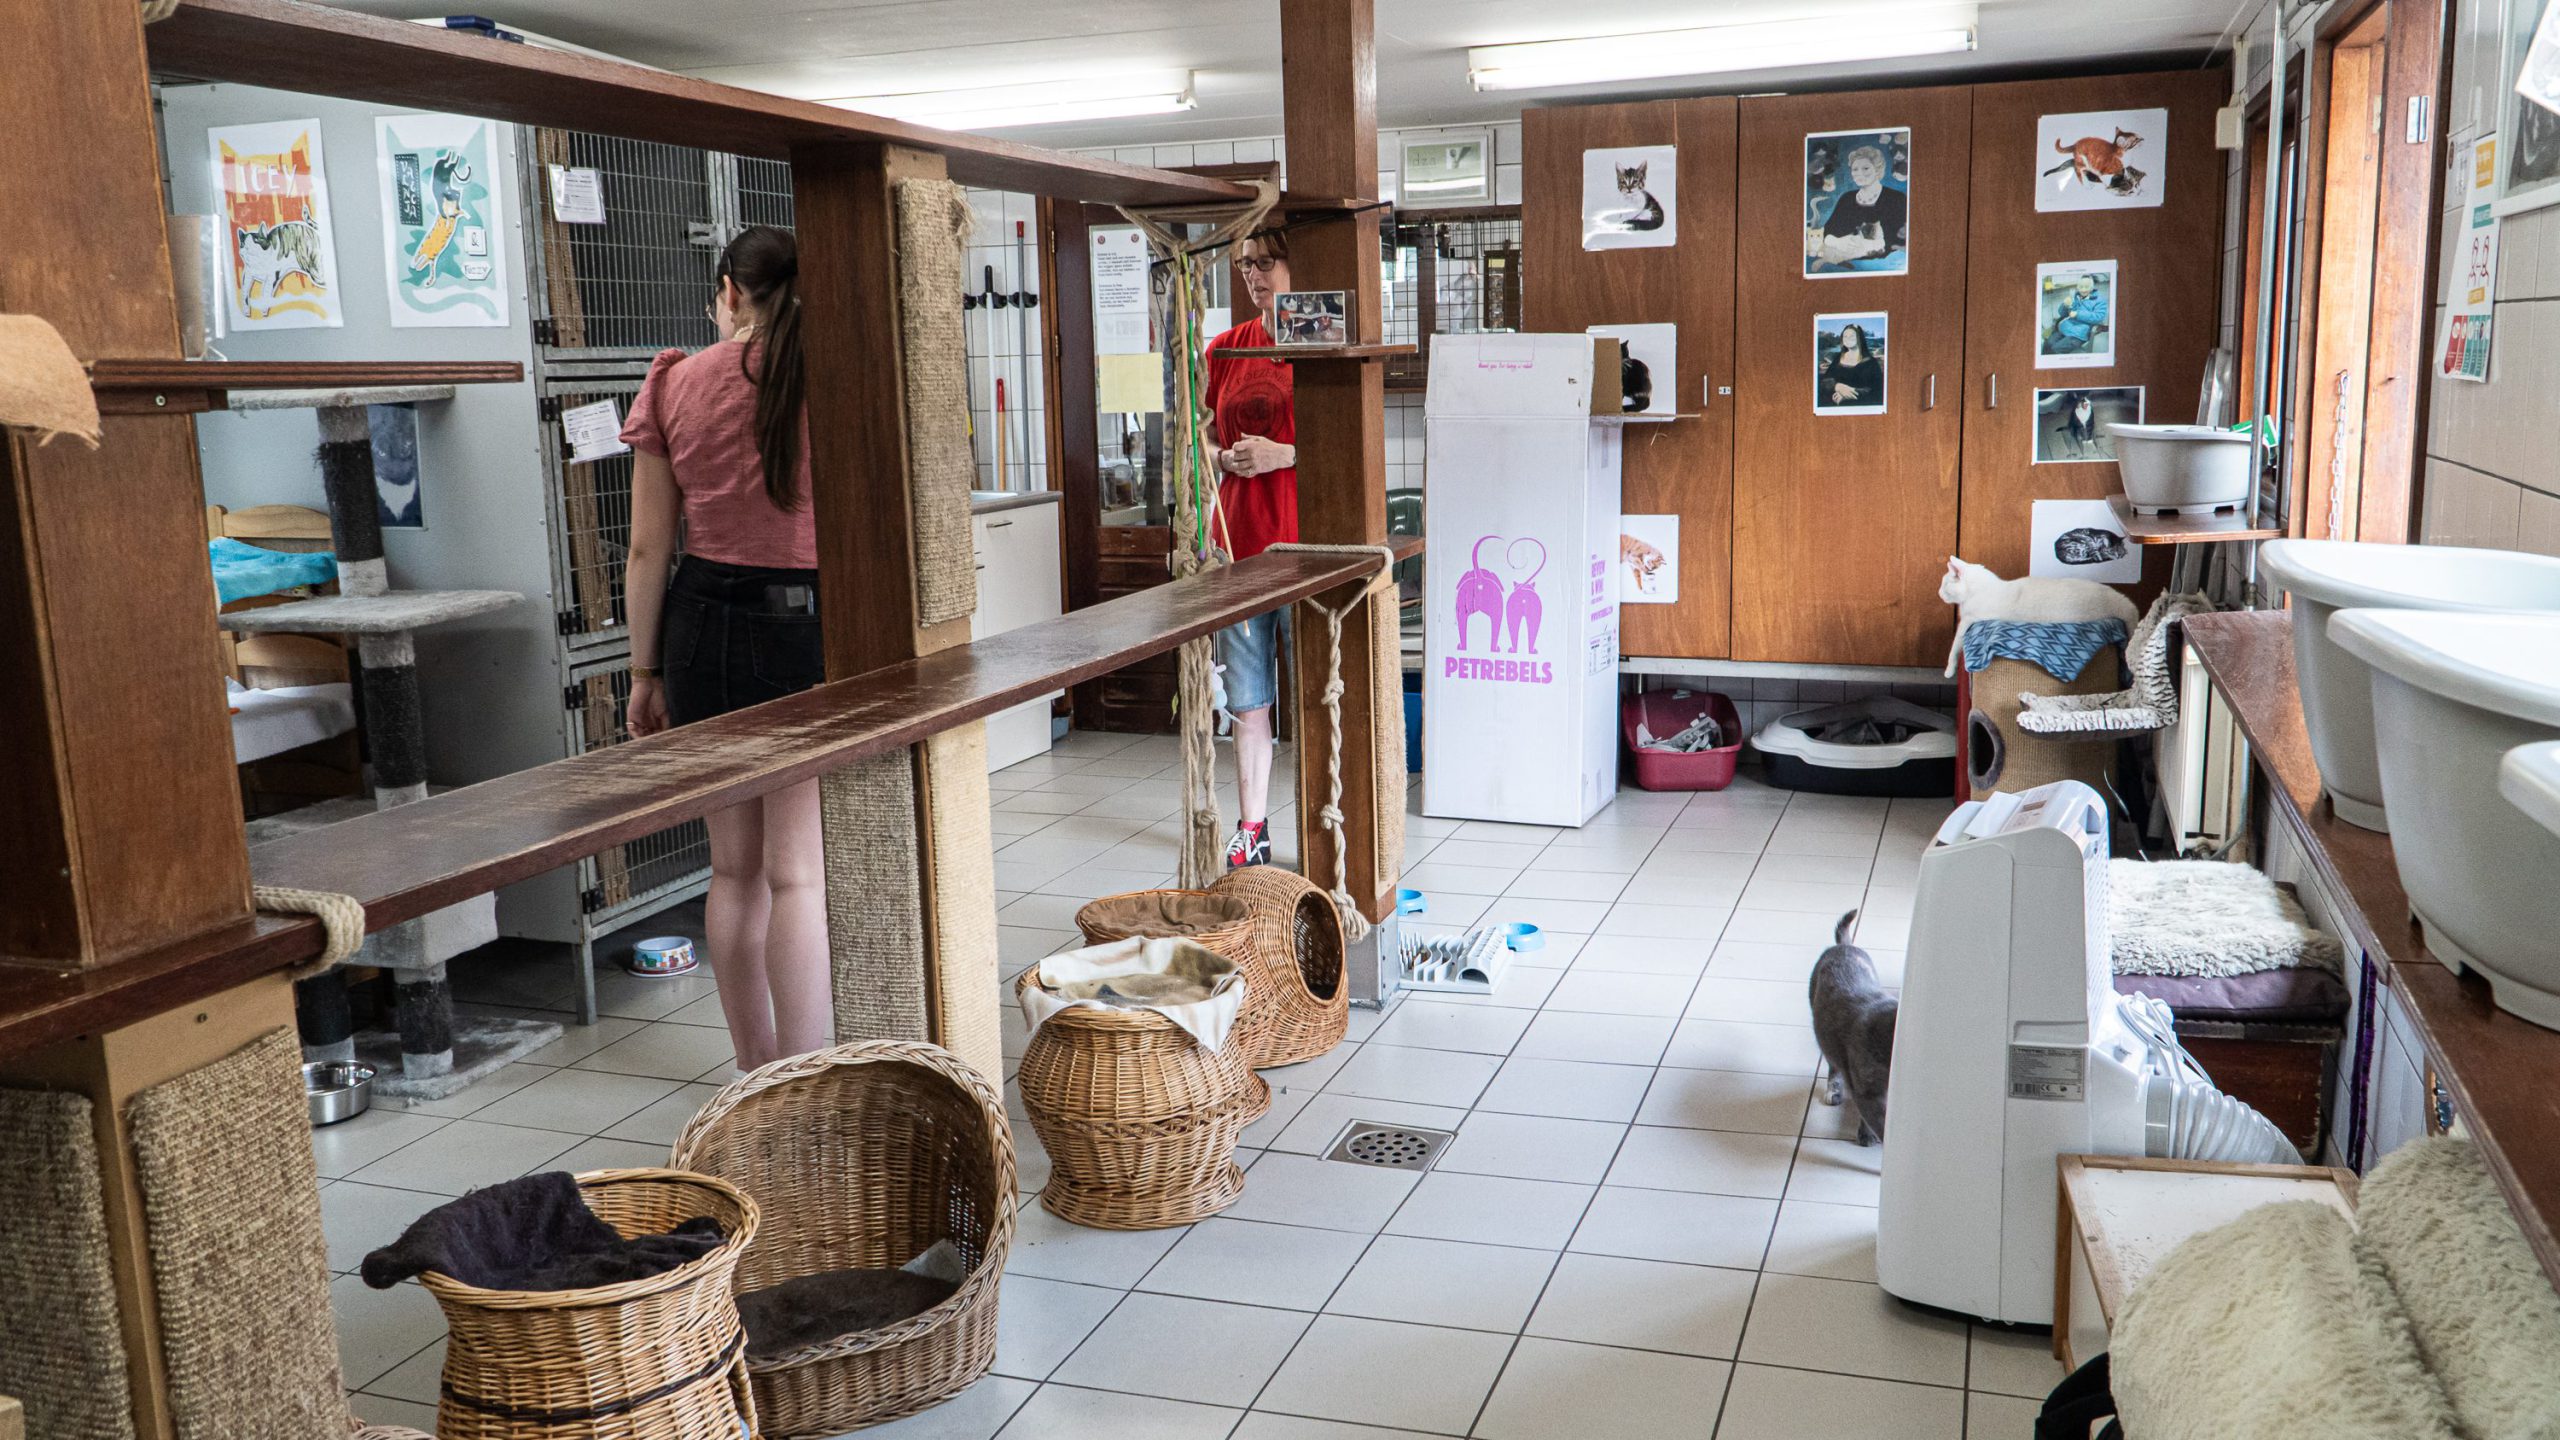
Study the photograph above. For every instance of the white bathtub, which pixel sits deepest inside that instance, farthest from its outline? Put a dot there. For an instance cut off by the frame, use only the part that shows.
(2452, 695)
(2325, 576)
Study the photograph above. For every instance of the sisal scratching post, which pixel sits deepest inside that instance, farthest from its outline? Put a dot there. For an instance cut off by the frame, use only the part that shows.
(69, 1371)
(934, 221)
(962, 973)
(875, 899)
(1999, 756)
(232, 1203)
(1386, 734)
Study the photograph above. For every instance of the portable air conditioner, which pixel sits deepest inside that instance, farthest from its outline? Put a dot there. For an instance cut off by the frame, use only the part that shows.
(2013, 1047)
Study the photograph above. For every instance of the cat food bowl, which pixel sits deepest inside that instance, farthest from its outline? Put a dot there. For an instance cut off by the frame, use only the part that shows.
(2172, 468)
(2452, 696)
(1409, 901)
(2326, 576)
(1523, 937)
(661, 957)
(337, 1090)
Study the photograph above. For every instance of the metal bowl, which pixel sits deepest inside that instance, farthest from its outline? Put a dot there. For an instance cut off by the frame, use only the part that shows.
(337, 1089)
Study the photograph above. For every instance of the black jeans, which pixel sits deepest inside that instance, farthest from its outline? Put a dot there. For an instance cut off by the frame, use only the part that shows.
(737, 635)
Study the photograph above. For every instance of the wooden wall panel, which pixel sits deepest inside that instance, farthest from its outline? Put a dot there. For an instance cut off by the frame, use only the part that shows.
(1842, 524)
(1684, 466)
(2165, 310)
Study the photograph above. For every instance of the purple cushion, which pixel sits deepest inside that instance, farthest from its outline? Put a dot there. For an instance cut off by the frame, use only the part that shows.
(2300, 996)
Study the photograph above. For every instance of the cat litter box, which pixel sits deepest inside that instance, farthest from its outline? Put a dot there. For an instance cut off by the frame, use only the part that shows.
(1877, 746)
(1663, 717)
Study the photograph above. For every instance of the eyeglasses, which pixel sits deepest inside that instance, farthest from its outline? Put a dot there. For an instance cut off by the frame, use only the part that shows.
(1263, 266)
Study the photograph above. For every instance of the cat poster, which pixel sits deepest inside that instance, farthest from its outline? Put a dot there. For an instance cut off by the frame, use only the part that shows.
(394, 431)
(1849, 364)
(2080, 540)
(1631, 198)
(443, 237)
(2071, 425)
(2075, 314)
(279, 254)
(1648, 559)
(1649, 375)
(1857, 203)
(2102, 160)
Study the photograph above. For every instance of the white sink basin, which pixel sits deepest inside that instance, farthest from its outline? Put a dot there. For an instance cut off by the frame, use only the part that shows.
(2325, 576)
(2452, 695)
(2530, 779)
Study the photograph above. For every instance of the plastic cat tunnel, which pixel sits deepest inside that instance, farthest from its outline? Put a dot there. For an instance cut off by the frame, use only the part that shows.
(437, 1053)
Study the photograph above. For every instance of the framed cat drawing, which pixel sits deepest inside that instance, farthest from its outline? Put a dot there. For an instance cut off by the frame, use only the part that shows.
(2102, 160)
(1631, 198)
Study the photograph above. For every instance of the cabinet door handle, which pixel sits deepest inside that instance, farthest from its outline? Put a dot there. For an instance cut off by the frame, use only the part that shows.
(1931, 403)
(998, 524)
(1995, 394)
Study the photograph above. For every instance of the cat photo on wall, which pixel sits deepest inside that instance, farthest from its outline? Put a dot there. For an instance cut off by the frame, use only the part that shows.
(2071, 425)
(2102, 160)
(1650, 383)
(1631, 198)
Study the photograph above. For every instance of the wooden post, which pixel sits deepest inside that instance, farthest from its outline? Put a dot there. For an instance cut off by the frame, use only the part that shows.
(124, 831)
(1329, 91)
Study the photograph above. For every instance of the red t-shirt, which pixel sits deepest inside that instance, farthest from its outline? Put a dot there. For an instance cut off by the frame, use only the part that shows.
(1251, 396)
(698, 413)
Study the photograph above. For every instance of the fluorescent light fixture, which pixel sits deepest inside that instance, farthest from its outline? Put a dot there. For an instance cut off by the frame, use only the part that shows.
(1044, 102)
(1724, 49)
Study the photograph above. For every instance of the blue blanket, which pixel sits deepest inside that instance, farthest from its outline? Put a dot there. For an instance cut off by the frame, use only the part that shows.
(2063, 649)
(241, 570)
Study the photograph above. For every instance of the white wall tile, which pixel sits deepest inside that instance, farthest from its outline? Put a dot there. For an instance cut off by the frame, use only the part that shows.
(2465, 507)
(1250, 152)
(1506, 185)
(1219, 152)
(2538, 522)
(1173, 155)
(1135, 155)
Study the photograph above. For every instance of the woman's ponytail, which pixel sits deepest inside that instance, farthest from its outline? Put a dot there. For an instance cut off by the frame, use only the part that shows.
(765, 263)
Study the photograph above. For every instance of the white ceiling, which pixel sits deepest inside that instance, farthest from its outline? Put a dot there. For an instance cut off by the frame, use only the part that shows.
(821, 49)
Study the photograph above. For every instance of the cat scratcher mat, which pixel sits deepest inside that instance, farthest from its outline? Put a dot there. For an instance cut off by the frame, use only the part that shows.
(42, 387)
(231, 1201)
(1999, 756)
(934, 221)
(875, 899)
(966, 977)
(70, 1370)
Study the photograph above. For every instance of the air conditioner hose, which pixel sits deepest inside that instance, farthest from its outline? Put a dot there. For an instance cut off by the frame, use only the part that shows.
(2185, 1117)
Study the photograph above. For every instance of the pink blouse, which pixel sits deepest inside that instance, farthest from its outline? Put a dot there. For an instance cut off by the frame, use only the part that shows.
(698, 413)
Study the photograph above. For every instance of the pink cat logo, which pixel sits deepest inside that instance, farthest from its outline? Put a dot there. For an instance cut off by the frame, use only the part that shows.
(1480, 592)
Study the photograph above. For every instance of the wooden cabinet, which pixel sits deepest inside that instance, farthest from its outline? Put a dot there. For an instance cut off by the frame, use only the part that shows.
(2162, 316)
(1680, 467)
(1017, 557)
(1843, 523)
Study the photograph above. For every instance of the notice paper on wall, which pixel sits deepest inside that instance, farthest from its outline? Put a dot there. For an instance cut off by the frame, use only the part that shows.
(1119, 292)
(2464, 355)
(577, 195)
(1128, 384)
(594, 431)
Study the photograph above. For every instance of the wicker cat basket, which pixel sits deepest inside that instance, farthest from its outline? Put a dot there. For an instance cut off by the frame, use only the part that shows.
(1224, 923)
(1293, 963)
(866, 1155)
(661, 1358)
(1139, 1119)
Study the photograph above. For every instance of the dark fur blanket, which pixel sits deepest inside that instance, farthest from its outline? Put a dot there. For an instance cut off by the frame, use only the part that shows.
(809, 1309)
(533, 1233)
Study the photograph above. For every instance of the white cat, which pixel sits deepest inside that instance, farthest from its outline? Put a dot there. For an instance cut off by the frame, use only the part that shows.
(1978, 594)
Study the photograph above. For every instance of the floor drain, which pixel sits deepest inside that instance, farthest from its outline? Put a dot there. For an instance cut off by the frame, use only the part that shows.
(1390, 1147)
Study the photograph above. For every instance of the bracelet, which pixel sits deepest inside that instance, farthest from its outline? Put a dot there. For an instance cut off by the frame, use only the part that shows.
(644, 672)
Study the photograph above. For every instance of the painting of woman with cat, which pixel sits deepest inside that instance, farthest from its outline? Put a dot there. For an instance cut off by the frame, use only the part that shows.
(1857, 203)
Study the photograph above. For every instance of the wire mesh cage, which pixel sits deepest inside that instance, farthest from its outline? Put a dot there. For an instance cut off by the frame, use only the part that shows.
(1448, 272)
(625, 877)
(591, 514)
(640, 281)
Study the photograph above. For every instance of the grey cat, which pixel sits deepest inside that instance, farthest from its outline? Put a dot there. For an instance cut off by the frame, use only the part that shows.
(1853, 1024)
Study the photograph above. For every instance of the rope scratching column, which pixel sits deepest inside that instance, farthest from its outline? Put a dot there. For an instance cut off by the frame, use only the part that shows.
(1355, 925)
(1180, 295)
(69, 1370)
(965, 978)
(934, 221)
(232, 1203)
(875, 899)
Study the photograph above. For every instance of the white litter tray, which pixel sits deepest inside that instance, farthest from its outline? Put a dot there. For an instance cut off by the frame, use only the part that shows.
(2452, 696)
(2325, 576)
(2181, 467)
(2530, 779)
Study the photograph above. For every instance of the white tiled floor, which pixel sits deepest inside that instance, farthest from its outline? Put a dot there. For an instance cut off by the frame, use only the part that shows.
(1645, 1227)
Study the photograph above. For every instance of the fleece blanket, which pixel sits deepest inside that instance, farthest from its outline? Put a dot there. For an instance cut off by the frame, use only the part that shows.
(532, 1233)
(2062, 649)
(241, 570)
(2207, 918)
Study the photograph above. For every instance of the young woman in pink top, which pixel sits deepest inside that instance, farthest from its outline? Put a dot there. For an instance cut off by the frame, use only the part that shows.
(721, 438)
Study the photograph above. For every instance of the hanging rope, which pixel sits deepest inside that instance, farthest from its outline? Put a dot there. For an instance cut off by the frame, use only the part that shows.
(1355, 925)
(341, 922)
(1181, 293)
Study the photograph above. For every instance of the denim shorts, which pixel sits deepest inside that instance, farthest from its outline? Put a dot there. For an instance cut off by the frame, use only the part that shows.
(1251, 650)
(737, 635)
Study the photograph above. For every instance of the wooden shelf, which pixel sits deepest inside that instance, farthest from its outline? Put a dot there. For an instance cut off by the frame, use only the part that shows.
(2144, 529)
(1319, 352)
(187, 387)
(2502, 1073)
(321, 50)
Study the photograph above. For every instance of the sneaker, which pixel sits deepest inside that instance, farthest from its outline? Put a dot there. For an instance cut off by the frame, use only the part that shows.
(1250, 845)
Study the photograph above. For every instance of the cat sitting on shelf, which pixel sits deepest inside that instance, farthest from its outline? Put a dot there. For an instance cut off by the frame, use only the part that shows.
(1978, 594)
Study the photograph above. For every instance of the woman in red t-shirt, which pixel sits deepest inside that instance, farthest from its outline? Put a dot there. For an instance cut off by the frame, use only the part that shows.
(722, 438)
(1253, 420)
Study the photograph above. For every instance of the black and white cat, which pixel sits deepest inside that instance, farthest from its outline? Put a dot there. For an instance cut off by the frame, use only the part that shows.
(1642, 211)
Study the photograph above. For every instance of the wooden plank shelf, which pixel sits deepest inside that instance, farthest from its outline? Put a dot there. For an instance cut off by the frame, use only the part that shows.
(1319, 352)
(189, 387)
(2503, 1073)
(322, 50)
(2144, 529)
